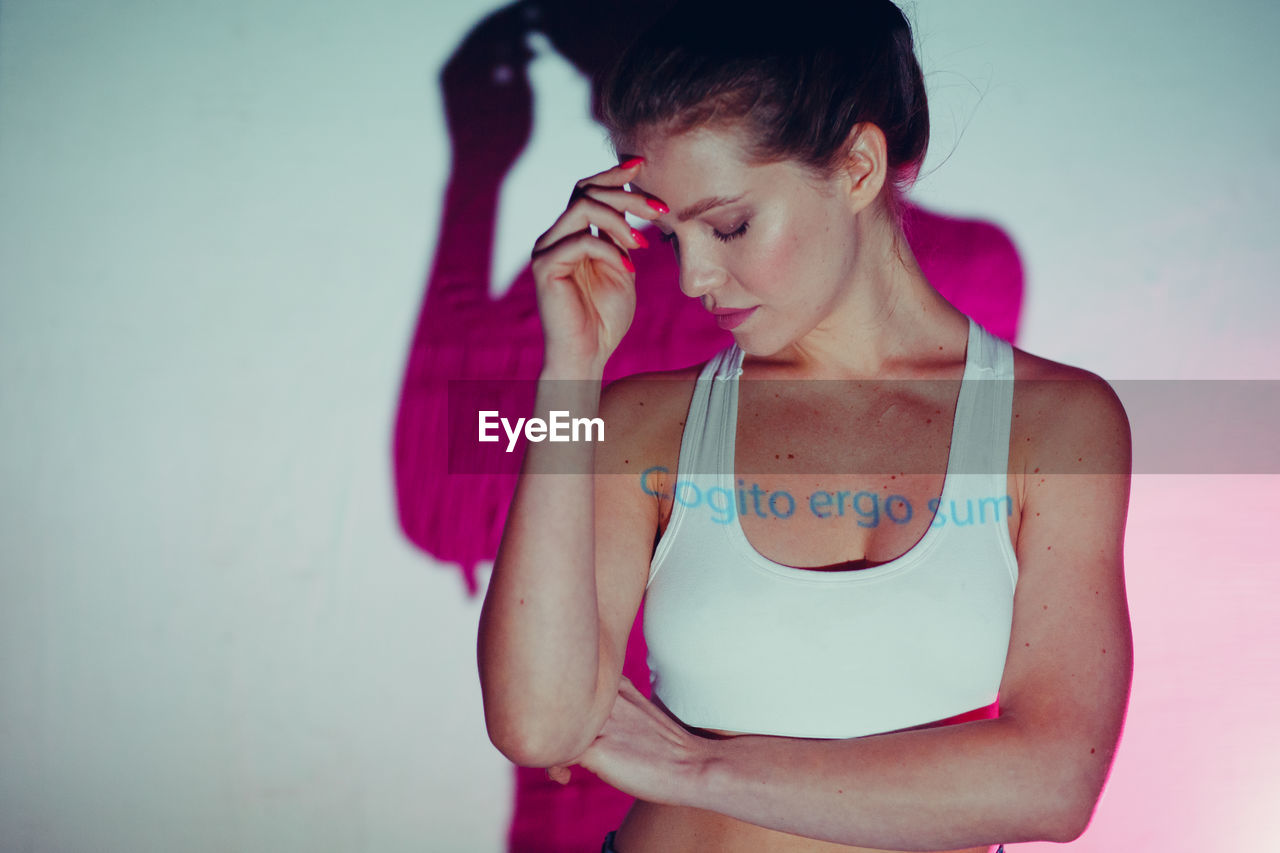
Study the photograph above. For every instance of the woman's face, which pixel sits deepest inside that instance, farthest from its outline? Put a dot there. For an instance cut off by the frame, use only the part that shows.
(768, 248)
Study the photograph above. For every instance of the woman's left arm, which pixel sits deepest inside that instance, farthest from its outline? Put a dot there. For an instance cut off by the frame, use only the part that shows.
(1035, 772)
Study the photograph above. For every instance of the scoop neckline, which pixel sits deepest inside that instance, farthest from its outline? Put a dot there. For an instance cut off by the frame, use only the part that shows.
(727, 470)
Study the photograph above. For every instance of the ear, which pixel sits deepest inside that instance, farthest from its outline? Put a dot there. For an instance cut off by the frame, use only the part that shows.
(866, 165)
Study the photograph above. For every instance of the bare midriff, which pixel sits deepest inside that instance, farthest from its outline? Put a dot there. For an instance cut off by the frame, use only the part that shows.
(653, 828)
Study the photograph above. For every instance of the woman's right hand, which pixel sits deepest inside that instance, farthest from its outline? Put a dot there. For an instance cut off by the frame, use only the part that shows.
(585, 283)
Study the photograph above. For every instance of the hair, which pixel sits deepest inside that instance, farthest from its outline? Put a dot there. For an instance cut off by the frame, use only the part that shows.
(797, 76)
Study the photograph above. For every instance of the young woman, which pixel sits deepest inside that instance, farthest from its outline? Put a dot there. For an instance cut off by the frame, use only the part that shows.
(844, 567)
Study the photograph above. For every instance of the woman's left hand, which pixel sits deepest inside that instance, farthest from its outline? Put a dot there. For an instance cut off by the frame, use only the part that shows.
(642, 751)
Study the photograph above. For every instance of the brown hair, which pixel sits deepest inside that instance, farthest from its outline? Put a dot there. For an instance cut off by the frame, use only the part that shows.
(798, 76)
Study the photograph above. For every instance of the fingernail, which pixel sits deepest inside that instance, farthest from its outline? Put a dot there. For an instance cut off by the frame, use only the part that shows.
(632, 163)
(626, 262)
(657, 205)
(639, 238)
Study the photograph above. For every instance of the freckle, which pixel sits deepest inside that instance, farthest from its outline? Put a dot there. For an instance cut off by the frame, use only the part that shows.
(839, 790)
(1104, 651)
(893, 476)
(626, 461)
(1042, 479)
(1091, 752)
(791, 456)
(1028, 438)
(522, 601)
(1028, 645)
(1037, 515)
(1079, 458)
(1017, 415)
(1046, 607)
(928, 420)
(1048, 548)
(776, 456)
(1037, 471)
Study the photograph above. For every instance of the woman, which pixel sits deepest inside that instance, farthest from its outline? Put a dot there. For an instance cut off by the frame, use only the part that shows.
(827, 640)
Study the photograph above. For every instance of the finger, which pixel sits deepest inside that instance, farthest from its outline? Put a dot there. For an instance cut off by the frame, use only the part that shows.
(585, 213)
(619, 177)
(567, 253)
(634, 202)
(560, 773)
(614, 176)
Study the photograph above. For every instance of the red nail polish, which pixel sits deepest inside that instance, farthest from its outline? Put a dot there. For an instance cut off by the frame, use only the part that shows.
(657, 205)
(626, 262)
(639, 238)
(632, 163)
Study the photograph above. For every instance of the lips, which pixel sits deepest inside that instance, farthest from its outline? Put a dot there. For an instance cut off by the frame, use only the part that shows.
(731, 318)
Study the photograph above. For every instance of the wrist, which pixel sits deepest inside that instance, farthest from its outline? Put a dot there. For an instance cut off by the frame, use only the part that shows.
(703, 786)
(581, 369)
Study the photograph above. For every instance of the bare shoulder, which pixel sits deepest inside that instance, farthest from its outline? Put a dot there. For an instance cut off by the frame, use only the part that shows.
(644, 415)
(656, 390)
(1066, 420)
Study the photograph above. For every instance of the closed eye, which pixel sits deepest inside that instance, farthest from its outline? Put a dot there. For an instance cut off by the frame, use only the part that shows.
(722, 236)
(732, 235)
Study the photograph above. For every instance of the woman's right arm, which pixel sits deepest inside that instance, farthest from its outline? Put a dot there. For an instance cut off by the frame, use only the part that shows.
(571, 568)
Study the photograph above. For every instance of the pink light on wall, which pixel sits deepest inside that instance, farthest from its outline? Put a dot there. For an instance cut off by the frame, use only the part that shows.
(1198, 766)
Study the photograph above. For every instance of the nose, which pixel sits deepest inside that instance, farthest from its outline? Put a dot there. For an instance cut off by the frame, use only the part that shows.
(699, 274)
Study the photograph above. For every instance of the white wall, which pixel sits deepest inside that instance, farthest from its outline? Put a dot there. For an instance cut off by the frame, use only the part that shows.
(215, 222)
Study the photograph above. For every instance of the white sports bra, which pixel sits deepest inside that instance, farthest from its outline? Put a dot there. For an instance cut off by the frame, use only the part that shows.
(741, 643)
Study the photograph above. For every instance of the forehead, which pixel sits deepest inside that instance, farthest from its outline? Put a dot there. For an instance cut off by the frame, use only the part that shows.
(682, 168)
(692, 162)
(726, 141)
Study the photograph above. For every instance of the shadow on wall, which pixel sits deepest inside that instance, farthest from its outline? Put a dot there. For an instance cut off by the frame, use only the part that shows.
(464, 334)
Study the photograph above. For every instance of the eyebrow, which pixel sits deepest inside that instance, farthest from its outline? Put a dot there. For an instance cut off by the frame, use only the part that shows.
(700, 207)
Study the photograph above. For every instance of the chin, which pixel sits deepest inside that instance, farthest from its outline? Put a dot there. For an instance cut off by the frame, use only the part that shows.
(760, 345)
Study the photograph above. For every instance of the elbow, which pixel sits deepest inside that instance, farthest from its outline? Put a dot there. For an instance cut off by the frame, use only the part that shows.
(1057, 786)
(532, 731)
(1077, 813)
(1057, 820)
(1069, 826)
(522, 751)
(528, 746)
(1069, 809)
(1051, 798)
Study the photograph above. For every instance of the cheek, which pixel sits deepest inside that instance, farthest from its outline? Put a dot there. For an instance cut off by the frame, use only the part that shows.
(776, 261)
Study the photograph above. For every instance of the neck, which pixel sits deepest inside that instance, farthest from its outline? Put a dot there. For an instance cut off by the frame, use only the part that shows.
(887, 321)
